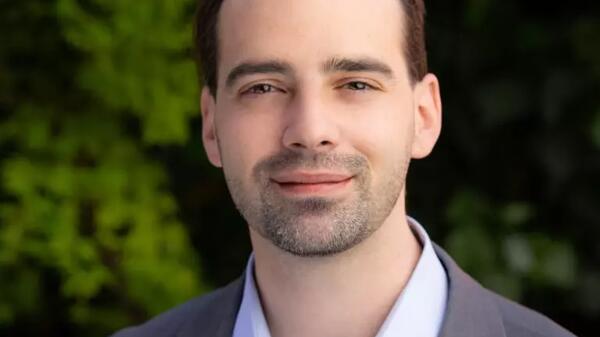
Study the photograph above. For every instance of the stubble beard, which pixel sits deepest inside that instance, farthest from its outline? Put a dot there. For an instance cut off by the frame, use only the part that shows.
(317, 226)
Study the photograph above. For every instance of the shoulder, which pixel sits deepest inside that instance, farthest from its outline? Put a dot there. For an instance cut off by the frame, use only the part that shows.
(473, 310)
(210, 310)
(522, 321)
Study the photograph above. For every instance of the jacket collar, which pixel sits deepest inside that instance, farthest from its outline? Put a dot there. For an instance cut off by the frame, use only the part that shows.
(216, 317)
(470, 311)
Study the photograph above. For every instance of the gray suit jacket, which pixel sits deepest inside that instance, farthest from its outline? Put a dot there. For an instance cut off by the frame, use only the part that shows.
(471, 311)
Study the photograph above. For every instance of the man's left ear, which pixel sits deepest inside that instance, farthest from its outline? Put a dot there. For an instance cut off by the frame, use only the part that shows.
(428, 116)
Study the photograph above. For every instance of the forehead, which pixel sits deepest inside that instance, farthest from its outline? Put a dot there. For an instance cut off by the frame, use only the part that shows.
(306, 32)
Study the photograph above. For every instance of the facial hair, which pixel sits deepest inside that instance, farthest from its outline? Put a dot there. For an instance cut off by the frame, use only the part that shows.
(317, 226)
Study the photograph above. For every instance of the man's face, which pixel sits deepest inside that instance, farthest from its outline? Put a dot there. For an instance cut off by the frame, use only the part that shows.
(314, 118)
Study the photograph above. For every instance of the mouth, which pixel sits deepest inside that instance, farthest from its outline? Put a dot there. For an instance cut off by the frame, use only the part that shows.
(300, 183)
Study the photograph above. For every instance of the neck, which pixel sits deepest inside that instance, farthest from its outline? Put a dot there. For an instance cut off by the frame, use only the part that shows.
(347, 294)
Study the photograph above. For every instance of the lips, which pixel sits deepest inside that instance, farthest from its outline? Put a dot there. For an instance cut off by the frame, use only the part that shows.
(298, 183)
(310, 178)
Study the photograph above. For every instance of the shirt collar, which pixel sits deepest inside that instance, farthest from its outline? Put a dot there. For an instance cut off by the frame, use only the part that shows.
(418, 311)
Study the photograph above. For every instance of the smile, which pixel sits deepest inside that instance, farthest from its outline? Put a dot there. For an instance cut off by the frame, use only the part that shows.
(299, 183)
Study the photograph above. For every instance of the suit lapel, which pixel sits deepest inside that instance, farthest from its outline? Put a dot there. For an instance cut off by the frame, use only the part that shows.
(217, 317)
(470, 311)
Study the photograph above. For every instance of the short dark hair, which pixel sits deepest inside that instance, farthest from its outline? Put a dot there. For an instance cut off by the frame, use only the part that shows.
(207, 46)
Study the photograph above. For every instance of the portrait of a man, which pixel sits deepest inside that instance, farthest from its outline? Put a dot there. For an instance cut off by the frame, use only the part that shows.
(314, 111)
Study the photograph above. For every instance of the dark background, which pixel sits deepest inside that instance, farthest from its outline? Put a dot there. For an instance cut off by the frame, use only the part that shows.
(110, 212)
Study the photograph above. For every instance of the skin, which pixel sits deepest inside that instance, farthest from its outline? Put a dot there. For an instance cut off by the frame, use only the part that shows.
(320, 115)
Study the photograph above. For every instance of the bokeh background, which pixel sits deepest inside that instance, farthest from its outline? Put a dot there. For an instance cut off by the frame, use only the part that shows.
(110, 212)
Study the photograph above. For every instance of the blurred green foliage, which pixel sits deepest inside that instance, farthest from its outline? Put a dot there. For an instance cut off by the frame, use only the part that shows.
(512, 190)
(488, 240)
(83, 203)
(107, 205)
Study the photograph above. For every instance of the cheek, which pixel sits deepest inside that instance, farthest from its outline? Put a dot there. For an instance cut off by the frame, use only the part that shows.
(384, 135)
(387, 124)
(244, 139)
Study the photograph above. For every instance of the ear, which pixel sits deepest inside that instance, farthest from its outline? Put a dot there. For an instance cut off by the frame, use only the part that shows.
(209, 135)
(428, 116)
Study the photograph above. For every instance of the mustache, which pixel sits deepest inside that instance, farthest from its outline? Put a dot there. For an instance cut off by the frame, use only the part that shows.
(290, 160)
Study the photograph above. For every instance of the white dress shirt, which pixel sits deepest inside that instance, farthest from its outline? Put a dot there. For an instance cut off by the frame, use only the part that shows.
(417, 312)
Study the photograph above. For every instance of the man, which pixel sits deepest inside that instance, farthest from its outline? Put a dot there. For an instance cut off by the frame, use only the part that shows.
(314, 110)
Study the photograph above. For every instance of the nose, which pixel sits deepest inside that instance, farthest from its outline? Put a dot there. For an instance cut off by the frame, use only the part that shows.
(310, 125)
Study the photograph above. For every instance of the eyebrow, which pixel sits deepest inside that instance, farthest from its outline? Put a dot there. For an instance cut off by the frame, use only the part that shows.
(335, 64)
(251, 68)
(365, 64)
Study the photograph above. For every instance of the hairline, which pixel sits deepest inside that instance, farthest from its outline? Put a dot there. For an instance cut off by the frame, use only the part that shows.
(405, 49)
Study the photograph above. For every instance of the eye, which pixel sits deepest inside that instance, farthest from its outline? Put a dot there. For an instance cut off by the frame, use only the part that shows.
(358, 86)
(261, 88)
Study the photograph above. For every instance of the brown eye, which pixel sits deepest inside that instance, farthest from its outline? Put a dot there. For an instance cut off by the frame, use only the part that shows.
(261, 88)
(358, 85)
